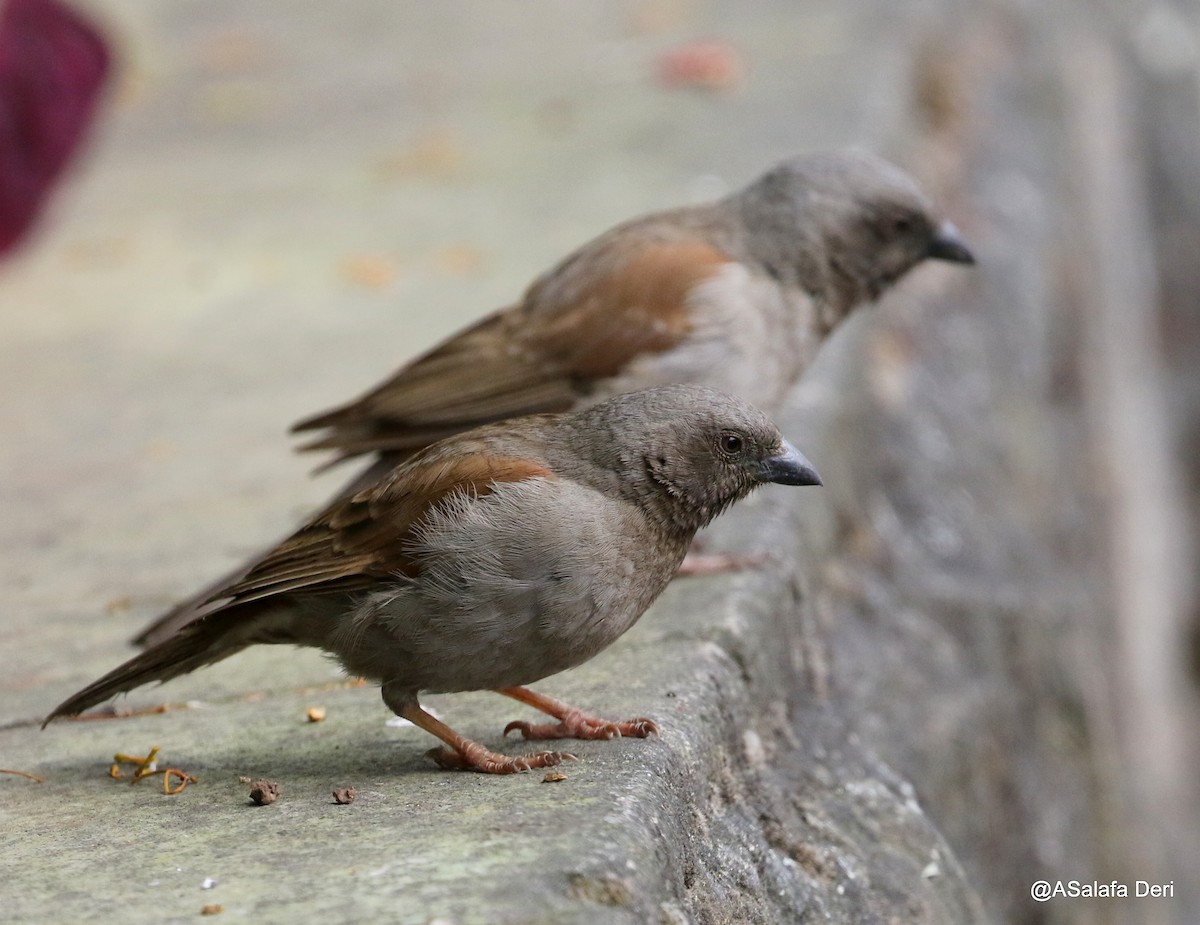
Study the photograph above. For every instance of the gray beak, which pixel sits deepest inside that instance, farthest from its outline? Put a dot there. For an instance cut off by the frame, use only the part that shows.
(789, 468)
(948, 244)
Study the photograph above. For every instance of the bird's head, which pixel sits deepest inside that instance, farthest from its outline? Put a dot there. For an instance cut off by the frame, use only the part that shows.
(845, 226)
(686, 453)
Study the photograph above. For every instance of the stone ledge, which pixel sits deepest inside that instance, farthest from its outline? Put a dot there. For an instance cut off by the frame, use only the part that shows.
(726, 818)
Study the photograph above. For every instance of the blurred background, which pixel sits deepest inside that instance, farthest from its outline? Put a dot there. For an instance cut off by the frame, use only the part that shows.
(274, 205)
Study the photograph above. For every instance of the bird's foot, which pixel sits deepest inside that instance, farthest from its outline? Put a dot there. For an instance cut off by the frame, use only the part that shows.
(572, 723)
(462, 754)
(578, 725)
(474, 757)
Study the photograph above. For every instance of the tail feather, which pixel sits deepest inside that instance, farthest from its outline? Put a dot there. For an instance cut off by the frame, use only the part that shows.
(169, 659)
(192, 609)
(209, 639)
(325, 418)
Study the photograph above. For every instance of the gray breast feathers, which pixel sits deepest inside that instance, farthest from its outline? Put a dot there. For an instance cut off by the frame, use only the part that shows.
(533, 578)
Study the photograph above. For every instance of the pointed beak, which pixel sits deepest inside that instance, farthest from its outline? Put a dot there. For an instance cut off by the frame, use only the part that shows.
(948, 244)
(789, 468)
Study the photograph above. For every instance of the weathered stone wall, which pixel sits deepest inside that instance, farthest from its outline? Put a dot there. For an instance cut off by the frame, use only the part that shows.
(1019, 567)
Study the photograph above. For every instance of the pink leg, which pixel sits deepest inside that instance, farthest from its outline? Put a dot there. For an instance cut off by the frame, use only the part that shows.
(572, 723)
(715, 563)
(465, 755)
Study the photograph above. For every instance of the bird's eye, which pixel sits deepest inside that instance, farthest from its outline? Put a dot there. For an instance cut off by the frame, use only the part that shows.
(902, 225)
(731, 444)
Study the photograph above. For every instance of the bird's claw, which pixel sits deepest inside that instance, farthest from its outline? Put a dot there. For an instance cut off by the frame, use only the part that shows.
(580, 726)
(488, 762)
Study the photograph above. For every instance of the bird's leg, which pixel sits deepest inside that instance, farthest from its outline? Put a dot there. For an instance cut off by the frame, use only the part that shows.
(698, 562)
(714, 563)
(464, 754)
(572, 723)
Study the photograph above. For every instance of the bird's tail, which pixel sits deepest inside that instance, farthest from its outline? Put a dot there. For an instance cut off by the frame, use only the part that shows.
(192, 609)
(207, 640)
(177, 655)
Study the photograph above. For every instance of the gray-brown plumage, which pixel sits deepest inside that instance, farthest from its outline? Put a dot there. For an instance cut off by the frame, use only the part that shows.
(737, 295)
(493, 559)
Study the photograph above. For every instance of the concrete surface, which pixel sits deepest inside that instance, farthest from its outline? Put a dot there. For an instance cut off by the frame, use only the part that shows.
(280, 208)
(283, 204)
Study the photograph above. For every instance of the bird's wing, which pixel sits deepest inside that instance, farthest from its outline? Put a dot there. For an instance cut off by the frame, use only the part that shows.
(199, 603)
(621, 297)
(354, 541)
(365, 537)
(351, 545)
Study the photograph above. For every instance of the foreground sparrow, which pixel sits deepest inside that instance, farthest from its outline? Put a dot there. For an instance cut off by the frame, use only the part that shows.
(737, 295)
(492, 559)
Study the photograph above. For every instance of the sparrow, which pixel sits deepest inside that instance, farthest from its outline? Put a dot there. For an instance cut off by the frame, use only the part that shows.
(492, 559)
(738, 295)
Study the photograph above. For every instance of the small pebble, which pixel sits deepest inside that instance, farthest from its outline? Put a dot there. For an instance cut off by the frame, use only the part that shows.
(264, 791)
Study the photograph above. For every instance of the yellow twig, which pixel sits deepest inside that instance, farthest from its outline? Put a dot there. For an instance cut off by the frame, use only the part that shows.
(33, 777)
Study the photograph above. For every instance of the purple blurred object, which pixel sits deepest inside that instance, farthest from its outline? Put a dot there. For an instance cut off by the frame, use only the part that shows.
(52, 66)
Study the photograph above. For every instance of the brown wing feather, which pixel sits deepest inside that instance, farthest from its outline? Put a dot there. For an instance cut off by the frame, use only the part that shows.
(352, 544)
(363, 538)
(619, 298)
(201, 603)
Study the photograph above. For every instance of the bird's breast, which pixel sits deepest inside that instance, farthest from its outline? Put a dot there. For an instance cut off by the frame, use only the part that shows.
(750, 335)
(531, 579)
